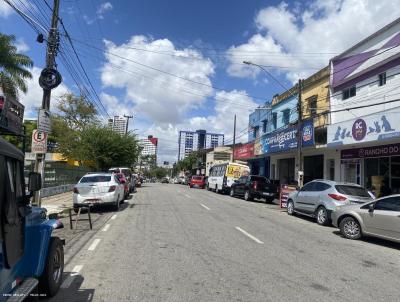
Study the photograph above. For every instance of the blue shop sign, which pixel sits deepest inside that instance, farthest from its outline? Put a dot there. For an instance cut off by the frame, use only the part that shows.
(287, 139)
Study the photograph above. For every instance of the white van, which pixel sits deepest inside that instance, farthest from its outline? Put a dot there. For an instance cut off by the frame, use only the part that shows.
(222, 176)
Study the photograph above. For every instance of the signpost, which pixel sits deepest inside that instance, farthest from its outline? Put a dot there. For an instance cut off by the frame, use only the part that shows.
(39, 142)
(44, 121)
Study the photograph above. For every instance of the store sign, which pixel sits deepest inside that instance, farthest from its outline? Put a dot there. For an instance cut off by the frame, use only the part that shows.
(244, 151)
(287, 139)
(374, 127)
(368, 152)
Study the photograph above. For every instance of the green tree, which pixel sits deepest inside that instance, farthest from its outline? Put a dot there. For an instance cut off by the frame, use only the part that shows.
(13, 68)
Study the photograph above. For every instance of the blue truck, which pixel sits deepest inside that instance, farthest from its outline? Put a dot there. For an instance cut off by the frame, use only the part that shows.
(31, 259)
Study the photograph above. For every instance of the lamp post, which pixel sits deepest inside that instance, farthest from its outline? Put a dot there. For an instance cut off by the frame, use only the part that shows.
(267, 72)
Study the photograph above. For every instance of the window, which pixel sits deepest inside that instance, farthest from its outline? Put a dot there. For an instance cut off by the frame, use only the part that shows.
(349, 92)
(352, 190)
(388, 204)
(100, 178)
(307, 187)
(255, 132)
(274, 120)
(312, 105)
(382, 79)
(320, 186)
(259, 178)
(264, 125)
(286, 116)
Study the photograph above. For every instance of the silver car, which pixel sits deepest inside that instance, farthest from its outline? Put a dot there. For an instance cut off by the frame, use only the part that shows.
(380, 218)
(98, 189)
(320, 197)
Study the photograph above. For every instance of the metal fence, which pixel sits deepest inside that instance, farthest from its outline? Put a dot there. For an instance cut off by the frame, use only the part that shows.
(59, 173)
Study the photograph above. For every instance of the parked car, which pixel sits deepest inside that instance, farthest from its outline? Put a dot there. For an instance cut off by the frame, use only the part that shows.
(380, 218)
(98, 189)
(164, 180)
(320, 197)
(254, 186)
(122, 179)
(197, 181)
(181, 179)
(128, 177)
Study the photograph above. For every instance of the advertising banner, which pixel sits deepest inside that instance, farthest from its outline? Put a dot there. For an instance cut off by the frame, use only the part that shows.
(375, 127)
(284, 195)
(287, 139)
(244, 151)
(368, 152)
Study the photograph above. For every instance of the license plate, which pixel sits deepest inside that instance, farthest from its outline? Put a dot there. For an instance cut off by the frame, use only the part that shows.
(267, 194)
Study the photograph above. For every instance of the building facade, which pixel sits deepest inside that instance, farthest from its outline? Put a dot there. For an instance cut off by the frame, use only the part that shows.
(149, 146)
(365, 129)
(118, 124)
(190, 141)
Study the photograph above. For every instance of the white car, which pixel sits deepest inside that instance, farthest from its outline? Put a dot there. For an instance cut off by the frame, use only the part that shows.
(98, 189)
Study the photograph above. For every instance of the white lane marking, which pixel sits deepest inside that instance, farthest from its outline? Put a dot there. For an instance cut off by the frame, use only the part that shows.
(68, 281)
(188, 196)
(249, 235)
(106, 227)
(94, 244)
(113, 217)
(207, 208)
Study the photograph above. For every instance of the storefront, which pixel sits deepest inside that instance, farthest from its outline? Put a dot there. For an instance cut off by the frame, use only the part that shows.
(373, 167)
(374, 159)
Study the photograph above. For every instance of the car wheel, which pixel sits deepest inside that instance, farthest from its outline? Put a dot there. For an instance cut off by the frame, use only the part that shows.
(50, 280)
(269, 199)
(350, 228)
(76, 210)
(290, 207)
(247, 196)
(322, 216)
(232, 192)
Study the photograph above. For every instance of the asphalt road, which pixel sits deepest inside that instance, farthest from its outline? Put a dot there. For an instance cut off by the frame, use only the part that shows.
(172, 243)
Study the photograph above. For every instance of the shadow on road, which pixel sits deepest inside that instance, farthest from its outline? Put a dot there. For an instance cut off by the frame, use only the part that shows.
(73, 292)
(373, 240)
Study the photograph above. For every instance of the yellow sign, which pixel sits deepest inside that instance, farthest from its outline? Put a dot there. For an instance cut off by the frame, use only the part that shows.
(236, 171)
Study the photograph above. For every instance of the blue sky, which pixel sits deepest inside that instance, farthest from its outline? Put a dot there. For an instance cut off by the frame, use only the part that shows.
(153, 46)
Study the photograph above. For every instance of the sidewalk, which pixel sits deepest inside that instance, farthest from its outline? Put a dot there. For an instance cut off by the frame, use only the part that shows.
(57, 203)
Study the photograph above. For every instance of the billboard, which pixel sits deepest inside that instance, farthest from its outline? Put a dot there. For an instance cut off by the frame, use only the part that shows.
(374, 127)
(244, 151)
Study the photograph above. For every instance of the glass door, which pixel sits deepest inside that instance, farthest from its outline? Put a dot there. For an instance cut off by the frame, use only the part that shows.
(351, 171)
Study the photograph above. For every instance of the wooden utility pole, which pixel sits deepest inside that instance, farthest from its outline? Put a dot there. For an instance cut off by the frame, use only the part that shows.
(234, 138)
(51, 52)
(300, 171)
(127, 122)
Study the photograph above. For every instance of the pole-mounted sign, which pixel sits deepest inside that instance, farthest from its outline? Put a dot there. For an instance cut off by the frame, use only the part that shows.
(44, 121)
(39, 142)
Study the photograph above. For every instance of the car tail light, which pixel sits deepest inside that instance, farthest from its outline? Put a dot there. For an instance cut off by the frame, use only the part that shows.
(255, 184)
(76, 190)
(112, 189)
(1, 102)
(337, 197)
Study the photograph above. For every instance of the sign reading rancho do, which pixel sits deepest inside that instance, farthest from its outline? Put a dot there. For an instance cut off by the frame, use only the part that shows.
(378, 151)
(244, 151)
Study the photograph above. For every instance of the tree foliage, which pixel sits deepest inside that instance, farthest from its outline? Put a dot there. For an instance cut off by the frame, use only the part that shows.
(13, 68)
(188, 162)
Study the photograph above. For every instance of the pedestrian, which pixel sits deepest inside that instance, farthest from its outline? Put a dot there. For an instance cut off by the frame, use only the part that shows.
(385, 189)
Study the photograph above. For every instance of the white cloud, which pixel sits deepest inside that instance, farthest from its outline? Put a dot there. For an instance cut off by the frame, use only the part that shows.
(5, 9)
(160, 97)
(104, 7)
(306, 38)
(32, 100)
(21, 45)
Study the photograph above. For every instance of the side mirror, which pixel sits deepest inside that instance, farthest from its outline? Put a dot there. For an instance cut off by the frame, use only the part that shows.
(35, 182)
(371, 208)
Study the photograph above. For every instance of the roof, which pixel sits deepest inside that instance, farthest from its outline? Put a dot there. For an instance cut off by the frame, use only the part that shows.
(10, 150)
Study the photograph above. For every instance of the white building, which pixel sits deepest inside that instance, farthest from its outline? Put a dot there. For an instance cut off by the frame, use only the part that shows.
(148, 145)
(190, 141)
(118, 124)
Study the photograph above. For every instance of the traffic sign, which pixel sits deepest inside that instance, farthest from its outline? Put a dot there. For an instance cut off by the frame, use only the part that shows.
(44, 121)
(39, 142)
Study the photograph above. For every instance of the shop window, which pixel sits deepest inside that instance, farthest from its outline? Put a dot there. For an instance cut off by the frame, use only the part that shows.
(382, 79)
(285, 116)
(349, 92)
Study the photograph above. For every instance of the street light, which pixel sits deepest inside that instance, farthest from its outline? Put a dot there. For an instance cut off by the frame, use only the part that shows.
(267, 72)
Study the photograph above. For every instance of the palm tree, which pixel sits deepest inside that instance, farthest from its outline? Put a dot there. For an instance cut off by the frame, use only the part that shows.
(13, 68)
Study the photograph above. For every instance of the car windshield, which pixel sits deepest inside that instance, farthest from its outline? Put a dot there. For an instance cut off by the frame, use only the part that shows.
(197, 177)
(96, 178)
(352, 190)
(258, 178)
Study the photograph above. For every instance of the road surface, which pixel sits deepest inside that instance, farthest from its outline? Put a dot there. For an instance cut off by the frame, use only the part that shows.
(173, 243)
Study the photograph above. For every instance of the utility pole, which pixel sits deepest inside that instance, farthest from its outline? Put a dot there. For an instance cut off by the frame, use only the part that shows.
(234, 138)
(49, 79)
(127, 122)
(300, 171)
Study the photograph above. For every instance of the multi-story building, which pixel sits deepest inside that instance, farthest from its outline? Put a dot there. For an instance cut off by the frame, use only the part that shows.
(118, 124)
(149, 146)
(190, 141)
(365, 110)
